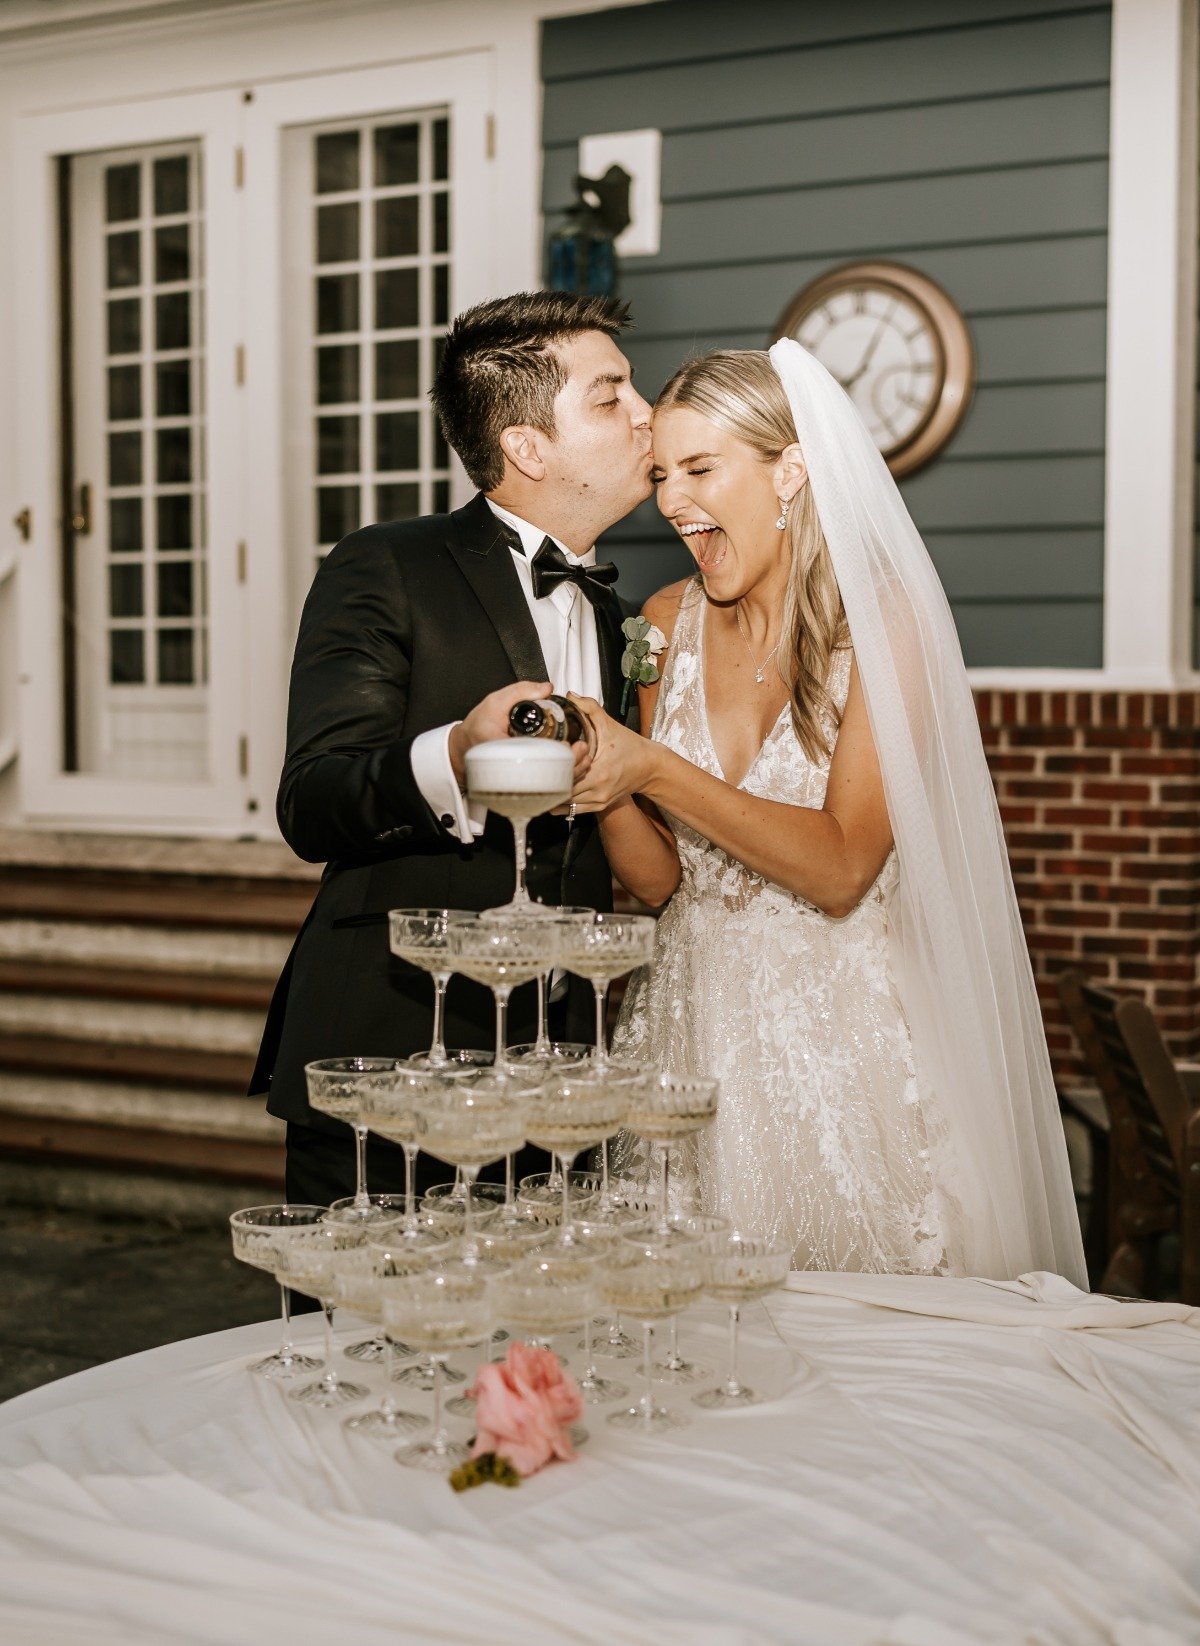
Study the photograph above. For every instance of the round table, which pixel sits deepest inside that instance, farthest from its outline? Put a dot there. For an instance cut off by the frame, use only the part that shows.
(945, 1462)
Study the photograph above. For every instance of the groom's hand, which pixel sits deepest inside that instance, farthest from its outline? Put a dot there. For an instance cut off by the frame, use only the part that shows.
(489, 719)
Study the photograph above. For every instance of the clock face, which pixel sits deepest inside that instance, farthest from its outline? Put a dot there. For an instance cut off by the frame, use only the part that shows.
(883, 348)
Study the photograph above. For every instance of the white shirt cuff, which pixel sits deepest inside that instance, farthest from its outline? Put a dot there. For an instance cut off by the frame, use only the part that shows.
(434, 776)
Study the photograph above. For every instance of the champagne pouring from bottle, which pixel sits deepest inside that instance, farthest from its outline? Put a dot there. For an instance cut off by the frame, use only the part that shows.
(530, 772)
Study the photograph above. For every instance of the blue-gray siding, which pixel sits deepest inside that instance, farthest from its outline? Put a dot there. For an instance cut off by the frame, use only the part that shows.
(966, 137)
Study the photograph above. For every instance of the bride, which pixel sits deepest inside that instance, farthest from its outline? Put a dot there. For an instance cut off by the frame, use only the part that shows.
(841, 944)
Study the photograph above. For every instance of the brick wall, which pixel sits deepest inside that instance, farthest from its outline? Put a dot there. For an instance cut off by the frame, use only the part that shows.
(1100, 796)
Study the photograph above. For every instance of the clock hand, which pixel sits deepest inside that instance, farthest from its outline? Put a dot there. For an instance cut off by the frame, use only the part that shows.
(871, 347)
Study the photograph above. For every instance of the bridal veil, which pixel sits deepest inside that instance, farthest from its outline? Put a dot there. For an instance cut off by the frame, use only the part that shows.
(959, 953)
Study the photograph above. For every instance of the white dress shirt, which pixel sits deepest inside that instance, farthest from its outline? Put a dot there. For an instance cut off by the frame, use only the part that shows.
(566, 628)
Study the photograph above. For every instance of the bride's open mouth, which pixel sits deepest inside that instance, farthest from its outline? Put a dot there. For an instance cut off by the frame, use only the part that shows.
(706, 542)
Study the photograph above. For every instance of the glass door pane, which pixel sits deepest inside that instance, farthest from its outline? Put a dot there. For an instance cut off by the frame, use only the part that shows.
(136, 641)
(367, 300)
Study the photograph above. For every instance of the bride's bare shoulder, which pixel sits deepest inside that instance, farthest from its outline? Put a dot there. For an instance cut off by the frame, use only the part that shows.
(663, 608)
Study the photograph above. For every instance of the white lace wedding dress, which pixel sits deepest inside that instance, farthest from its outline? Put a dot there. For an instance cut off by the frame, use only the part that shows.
(823, 1138)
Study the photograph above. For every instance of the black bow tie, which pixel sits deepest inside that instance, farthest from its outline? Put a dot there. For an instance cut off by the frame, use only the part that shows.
(551, 567)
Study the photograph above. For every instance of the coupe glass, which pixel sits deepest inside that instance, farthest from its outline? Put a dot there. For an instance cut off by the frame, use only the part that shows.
(344, 1087)
(665, 1110)
(444, 1205)
(578, 1110)
(547, 1293)
(392, 1113)
(501, 954)
(651, 1280)
(307, 1263)
(540, 1195)
(601, 1239)
(737, 1270)
(361, 1278)
(421, 936)
(468, 1124)
(674, 1368)
(520, 778)
(610, 946)
(257, 1232)
(360, 1259)
(549, 1054)
(498, 1249)
(444, 1309)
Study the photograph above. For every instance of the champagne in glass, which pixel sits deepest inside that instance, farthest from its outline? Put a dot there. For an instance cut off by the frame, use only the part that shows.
(674, 1367)
(547, 1293)
(577, 1111)
(444, 1309)
(361, 1275)
(422, 937)
(520, 778)
(607, 948)
(306, 1262)
(738, 1270)
(469, 1124)
(345, 1088)
(651, 1280)
(540, 1196)
(666, 1110)
(547, 1055)
(258, 1232)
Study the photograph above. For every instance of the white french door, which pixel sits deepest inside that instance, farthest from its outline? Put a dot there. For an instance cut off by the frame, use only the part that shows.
(368, 270)
(136, 697)
(131, 447)
(375, 200)
(231, 309)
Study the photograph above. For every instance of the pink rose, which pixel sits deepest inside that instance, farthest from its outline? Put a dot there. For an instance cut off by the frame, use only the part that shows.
(524, 1408)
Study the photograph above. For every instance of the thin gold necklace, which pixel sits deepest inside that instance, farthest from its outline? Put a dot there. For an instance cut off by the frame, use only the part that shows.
(759, 668)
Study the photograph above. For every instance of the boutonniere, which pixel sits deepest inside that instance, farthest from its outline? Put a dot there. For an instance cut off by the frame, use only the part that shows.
(644, 645)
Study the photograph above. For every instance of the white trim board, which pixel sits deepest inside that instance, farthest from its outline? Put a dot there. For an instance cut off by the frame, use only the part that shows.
(1152, 278)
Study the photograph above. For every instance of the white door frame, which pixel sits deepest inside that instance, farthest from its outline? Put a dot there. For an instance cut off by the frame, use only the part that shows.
(49, 795)
(462, 83)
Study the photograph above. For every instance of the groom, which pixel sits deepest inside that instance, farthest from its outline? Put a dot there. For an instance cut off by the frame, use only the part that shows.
(416, 639)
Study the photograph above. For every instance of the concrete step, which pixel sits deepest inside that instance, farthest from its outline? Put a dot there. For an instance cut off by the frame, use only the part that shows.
(200, 1112)
(135, 974)
(174, 1026)
(213, 1133)
(179, 950)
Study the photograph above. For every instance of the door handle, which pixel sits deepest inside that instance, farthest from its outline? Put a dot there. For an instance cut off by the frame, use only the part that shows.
(81, 520)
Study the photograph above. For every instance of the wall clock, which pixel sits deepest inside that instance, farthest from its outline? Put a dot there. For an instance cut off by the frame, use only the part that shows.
(899, 346)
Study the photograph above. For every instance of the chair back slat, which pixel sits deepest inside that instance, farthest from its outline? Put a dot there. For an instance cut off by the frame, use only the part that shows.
(1147, 1157)
(1158, 1074)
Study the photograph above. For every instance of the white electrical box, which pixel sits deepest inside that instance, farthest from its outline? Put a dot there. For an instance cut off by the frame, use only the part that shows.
(640, 152)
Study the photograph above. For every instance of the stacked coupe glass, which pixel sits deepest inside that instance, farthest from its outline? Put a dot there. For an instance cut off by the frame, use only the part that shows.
(471, 1262)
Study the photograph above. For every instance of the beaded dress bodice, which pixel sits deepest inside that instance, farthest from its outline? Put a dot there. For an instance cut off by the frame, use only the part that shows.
(823, 1138)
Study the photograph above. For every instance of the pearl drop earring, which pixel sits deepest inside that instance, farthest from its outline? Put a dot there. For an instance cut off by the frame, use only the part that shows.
(784, 506)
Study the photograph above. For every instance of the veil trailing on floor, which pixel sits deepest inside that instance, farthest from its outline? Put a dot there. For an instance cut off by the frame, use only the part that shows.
(959, 954)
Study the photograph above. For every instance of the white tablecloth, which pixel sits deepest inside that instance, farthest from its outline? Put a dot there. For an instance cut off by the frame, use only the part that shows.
(949, 1463)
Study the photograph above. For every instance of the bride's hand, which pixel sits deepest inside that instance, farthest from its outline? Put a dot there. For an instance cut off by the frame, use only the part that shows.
(618, 763)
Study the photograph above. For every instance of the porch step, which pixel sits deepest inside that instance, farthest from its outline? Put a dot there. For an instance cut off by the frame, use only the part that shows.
(134, 978)
(201, 1134)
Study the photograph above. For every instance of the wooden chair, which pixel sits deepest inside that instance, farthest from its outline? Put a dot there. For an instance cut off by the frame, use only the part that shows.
(1174, 1093)
(1154, 1129)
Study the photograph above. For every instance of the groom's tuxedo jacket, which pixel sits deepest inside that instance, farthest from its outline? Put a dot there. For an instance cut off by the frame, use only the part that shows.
(405, 628)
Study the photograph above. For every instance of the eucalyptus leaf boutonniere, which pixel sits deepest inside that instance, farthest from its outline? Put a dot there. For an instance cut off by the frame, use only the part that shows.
(644, 645)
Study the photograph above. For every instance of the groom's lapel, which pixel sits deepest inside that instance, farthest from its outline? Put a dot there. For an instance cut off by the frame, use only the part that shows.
(611, 644)
(477, 542)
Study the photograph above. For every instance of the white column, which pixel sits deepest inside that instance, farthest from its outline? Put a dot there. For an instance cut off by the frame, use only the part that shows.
(1152, 271)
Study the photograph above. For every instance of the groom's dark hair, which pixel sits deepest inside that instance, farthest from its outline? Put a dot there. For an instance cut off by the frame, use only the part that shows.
(499, 368)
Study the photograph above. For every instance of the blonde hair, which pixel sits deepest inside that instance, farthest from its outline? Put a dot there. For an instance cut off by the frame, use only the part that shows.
(738, 390)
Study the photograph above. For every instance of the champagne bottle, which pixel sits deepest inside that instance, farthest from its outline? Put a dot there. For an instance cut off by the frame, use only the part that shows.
(555, 717)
